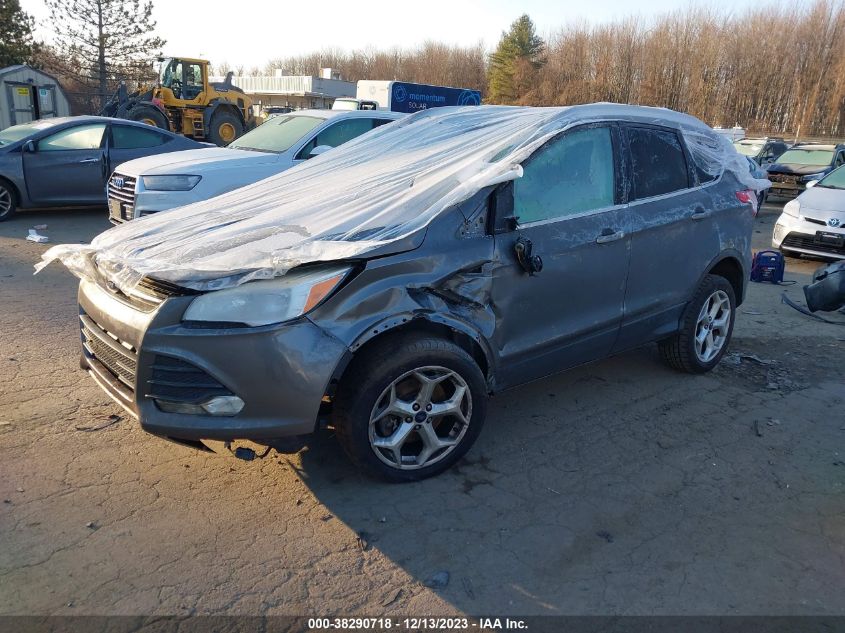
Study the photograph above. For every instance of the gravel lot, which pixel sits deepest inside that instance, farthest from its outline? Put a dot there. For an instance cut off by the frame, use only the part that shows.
(621, 487)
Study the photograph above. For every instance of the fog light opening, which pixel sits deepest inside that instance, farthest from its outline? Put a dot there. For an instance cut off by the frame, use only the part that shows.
(218, 406)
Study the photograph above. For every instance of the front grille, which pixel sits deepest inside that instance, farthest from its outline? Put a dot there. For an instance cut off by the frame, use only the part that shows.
(807, 242)
(118, 358)
(786, 178)
(122, 197)
(148, 294)
(179, 381)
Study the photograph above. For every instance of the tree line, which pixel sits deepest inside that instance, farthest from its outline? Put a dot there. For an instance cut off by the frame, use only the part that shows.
(771, 68)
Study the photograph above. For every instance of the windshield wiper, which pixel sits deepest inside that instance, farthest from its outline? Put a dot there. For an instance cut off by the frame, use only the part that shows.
(254, 149)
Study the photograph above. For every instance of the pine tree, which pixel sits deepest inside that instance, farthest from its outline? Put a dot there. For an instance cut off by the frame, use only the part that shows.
(107, 40)
(518, 56)
(17, 45)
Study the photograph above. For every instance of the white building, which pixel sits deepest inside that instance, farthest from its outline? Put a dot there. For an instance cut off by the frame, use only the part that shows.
(294, 91)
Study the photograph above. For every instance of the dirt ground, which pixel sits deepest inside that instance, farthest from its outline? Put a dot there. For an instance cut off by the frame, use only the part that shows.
(621, 487)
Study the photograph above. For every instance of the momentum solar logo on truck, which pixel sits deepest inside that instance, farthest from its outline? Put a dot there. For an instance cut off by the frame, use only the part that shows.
(407, 97)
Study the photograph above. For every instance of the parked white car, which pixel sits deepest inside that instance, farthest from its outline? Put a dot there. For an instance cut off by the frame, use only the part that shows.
(157, 183)
(814, 222)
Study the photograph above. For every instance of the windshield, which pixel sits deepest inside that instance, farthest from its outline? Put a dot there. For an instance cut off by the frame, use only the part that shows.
(806, 157)
(748, 149)
(834, 180)
(18, 132)
(277, 134)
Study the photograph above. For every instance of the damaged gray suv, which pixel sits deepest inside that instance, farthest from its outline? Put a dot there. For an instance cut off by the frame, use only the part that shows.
(389, 287)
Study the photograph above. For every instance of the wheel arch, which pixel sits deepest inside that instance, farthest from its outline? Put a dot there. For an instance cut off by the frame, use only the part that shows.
(16, 192)
(440, 326)
(729, 266)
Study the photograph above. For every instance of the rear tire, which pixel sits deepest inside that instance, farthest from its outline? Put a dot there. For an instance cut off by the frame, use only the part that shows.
(706, 328)
(410, 408)
(150, 116)
(8, 200)
(225, 127)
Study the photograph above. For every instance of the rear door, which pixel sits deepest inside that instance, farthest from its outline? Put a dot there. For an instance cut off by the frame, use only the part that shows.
(68, 167)
(128, 142)
(568, 205)
(673, 232)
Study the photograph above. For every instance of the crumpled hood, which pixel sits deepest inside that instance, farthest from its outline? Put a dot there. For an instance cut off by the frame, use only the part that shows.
(369, 194)
(799, 170)
(195, 161)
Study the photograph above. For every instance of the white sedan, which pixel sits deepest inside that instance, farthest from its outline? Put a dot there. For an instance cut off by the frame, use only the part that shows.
(814, 223)
(157, 183)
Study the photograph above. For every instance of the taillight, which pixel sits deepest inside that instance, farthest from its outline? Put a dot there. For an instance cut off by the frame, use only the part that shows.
(747, 196)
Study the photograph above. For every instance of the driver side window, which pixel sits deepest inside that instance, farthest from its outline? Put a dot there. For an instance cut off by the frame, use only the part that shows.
(80, 137)
(566, 177)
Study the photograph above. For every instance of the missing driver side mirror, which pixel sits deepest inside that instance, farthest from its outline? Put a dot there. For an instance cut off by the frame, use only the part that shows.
(501, 208)
(29, 146)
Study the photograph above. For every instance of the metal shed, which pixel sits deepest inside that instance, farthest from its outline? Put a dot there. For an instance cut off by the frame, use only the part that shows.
(27, 94)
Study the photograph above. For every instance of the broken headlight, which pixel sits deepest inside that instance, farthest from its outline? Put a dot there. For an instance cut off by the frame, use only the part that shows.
(267, 301)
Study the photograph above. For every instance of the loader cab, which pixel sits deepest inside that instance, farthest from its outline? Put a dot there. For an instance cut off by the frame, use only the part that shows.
(186, 79)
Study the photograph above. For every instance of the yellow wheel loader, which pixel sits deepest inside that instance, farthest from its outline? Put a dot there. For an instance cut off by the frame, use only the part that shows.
(183, 101)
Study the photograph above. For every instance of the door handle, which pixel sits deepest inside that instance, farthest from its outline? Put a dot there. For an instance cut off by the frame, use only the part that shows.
(89, 160)
(609, 235)
(700, 214)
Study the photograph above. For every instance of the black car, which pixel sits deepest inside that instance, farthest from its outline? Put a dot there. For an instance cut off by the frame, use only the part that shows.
(801, 164)
(763, 151)
(65, 161)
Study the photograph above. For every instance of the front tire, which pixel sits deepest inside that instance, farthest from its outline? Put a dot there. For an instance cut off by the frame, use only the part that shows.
(149, 115)
(225, 127)
(8, 200)
(706, 328)
(409, 408)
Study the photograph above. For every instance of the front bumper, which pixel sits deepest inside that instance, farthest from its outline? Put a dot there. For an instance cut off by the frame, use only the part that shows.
(800, 235)
(280, 372)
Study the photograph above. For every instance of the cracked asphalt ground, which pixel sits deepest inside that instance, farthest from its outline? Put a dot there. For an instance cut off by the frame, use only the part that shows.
(620, 487)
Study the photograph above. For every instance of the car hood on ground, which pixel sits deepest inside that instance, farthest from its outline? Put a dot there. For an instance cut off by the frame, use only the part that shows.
(800, 170)
(823, 199)
(196, 161)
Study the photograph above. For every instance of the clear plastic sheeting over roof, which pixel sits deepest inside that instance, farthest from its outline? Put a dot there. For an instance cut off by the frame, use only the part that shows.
(373, 191)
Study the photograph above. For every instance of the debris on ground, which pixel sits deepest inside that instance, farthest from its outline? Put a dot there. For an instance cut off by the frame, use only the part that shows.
(827, 292)
(113, 419)
(364, 539)
(604, 534)
(391, 597)
(35, 236)
(438, 580)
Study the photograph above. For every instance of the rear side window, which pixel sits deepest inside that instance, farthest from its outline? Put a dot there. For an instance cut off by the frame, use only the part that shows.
(658, 163)
(568, 176)
(128, 137)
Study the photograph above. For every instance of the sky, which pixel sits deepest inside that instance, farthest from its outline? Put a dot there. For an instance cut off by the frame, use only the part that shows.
(252, 33)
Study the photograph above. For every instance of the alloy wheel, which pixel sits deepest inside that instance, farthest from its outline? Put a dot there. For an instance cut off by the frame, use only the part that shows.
(711, 328)
(5, 201)
(420, 417)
